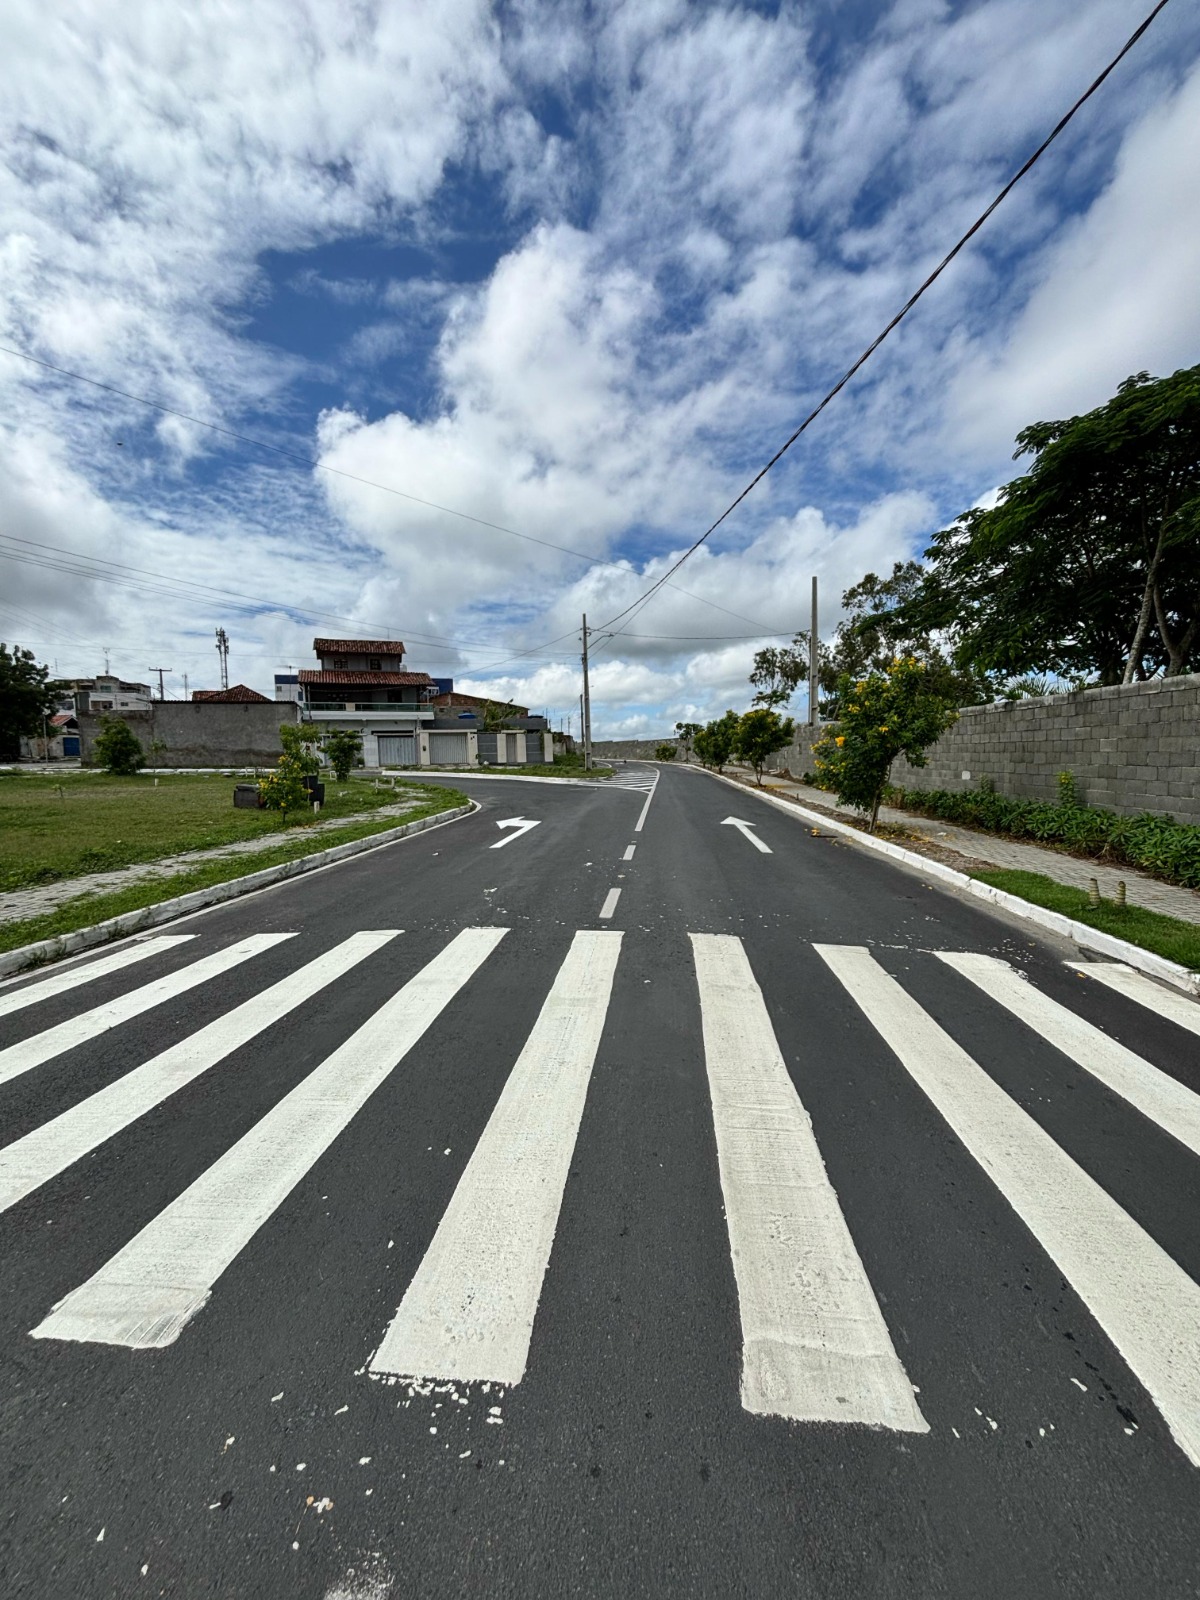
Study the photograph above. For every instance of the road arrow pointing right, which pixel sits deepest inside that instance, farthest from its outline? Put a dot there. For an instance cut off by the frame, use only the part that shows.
(744, 828)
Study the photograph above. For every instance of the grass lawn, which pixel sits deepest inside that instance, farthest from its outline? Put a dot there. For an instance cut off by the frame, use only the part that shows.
(87, 909)
(1165, 936)
(62, 825)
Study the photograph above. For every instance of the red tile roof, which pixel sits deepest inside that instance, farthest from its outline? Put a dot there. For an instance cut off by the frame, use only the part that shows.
(366, 679)
(358, 647)
(239, 694)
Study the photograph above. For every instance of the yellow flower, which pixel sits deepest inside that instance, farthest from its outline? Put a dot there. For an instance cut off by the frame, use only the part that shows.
(884, 728)
(840, 740)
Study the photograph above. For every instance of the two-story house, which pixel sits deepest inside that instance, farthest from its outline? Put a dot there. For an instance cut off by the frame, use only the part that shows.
(361, 684)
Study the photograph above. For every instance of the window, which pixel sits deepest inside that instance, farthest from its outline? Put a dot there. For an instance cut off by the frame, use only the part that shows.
(373, 664)
(339, 661)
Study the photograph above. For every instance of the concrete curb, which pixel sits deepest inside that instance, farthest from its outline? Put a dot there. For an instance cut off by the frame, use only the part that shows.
(67, 944)
(1079, 933)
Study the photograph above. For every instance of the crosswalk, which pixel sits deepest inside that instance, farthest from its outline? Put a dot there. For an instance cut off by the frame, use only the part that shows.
(816, 1344)
(640, 779)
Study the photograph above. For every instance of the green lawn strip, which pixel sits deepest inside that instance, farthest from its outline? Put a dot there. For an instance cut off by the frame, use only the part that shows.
(88, 909)
(80, 822)
(1165, 936)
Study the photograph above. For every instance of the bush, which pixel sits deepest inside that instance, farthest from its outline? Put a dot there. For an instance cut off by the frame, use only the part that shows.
(1159, 845)
(283, 789)
(117, 748)
(343, 749)
(299, 742)
(665, 752)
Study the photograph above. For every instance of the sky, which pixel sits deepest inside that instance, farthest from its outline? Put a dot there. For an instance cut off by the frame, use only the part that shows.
(570, 270)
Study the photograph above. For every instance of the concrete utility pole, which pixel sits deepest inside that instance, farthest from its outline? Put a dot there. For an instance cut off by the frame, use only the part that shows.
(223, 652)
(586, 708)
(814, 638)
(185, 686)
(160, 671)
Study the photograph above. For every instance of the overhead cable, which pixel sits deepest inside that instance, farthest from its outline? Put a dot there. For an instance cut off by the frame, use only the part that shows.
(898, 318)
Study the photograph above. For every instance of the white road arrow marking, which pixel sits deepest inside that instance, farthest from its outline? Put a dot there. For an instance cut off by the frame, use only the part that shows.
(521, 824)
(736, 822)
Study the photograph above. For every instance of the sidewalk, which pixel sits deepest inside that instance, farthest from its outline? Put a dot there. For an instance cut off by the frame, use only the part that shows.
(946, 840)
(42, 898)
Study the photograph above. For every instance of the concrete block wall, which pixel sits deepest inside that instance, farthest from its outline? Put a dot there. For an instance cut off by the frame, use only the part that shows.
(199, 733)
(1132, 748)
(630, 749)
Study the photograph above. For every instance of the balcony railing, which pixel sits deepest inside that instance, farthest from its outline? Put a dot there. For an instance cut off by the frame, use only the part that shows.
(390, 708)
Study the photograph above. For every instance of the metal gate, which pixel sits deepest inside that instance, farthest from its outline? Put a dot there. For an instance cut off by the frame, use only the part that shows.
(448, 749)
(511, 748)
(397, 749)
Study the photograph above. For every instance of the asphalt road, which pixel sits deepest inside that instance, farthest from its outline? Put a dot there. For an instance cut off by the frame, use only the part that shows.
(668, 1336)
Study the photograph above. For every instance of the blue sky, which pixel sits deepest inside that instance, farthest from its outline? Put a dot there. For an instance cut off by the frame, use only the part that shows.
(572, 269)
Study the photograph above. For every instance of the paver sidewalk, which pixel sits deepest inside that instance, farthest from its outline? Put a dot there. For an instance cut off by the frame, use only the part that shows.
(1149, 893)
(43, 898)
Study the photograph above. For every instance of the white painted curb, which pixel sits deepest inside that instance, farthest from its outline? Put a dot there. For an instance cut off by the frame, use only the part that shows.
(183, 905)
(1105, 944)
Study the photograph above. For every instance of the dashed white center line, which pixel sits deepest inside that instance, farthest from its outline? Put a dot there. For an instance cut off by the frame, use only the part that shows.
(610, 904)
(628, 856)
(637, 827)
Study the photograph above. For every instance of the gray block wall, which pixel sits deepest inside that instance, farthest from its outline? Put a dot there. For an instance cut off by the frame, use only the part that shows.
(630, 749)
(1132, 748)
(198, 733)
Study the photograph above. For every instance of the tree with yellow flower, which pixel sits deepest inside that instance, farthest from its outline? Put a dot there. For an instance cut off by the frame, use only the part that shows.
(886, 714)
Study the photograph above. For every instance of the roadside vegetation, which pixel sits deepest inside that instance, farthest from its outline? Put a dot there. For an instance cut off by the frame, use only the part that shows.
(87, 909)
(1169, 937)
(66, 824)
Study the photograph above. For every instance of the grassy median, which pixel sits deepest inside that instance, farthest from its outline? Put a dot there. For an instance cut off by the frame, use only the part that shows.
(65, 825)
(1165, 936)
(87, 909)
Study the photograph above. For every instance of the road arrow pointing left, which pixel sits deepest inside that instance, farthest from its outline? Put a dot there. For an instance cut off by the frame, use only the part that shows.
(520, 825)
(744, 828)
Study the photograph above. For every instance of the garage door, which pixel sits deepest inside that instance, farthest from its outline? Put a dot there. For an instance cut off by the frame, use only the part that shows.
(448, 749)
(397, 750)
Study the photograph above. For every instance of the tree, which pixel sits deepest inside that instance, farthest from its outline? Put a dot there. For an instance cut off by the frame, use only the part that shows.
(779, 670)
(760, 733)
(714, 743)
(1089, 565)
(300, 741)
(117, 748)
(343, 749)
(687, 732)
(665, 752)
(27, 698)
(497, 713)
(886, 714)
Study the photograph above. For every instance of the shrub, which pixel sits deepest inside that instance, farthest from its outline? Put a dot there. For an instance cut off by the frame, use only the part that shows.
(299, 742)
(283, 789)
(117, 748)
(1158, 845)
(343, 749)
(665, 752)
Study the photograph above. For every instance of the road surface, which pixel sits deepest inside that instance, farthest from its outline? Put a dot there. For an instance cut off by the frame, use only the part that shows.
(669, 1202)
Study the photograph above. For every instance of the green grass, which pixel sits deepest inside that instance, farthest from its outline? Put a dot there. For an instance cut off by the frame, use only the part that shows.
(61, 826)
(87, 909)
(1165, 936)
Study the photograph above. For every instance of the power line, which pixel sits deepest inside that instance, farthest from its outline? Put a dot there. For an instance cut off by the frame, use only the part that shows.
(78, 564)
(314, 465)
(900, 315)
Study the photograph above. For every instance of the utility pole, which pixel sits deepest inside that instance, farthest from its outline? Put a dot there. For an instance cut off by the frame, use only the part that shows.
(814, 710)
(223, 652)
(160, 671)
(586, 707)
(185, 686)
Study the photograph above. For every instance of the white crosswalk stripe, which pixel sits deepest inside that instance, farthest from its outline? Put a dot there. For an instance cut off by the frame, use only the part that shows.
(72, 977)
(32, 1052)
(469, 1311)
(815, 1345)
(49, 1149)
(639, 780)
(148, 1292)
(1155, 1094)
(1146, 1304)
(1155, 997)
